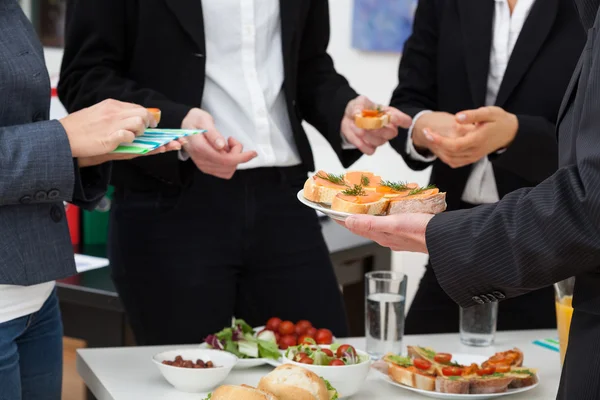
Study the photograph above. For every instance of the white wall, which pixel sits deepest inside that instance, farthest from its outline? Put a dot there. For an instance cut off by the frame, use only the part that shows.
(371, 74)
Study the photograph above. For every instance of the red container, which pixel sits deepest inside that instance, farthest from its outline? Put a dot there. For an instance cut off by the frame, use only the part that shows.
(74, 220)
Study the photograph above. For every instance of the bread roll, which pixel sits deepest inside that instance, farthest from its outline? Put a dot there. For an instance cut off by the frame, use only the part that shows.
(290, 382)
(230, 392)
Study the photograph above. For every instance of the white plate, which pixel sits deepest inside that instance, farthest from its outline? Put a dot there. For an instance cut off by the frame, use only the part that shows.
(339, 215)
(465, 359)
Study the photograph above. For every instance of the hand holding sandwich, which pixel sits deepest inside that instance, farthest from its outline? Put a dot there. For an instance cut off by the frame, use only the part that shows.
(211, 152)
(367, 141)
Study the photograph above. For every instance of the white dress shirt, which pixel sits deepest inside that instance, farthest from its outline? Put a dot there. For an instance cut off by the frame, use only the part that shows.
(481, 186)
(244, 79)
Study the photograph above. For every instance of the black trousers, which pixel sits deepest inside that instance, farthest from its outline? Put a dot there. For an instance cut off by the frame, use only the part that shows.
(185, 261)
(432, 311)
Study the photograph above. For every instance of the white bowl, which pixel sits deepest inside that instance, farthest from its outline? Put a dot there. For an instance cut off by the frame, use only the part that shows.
(196, 380)
(346, 379)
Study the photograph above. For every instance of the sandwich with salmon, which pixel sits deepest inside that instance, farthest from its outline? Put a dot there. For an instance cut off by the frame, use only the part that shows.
(372, 119)
(394, 189)
(357, 200)
(427, 200)
(322, 187)
(368, 180)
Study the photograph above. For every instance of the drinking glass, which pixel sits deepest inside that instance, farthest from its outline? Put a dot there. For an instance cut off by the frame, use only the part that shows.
(563, 291)
(478, 324)
(385, 296)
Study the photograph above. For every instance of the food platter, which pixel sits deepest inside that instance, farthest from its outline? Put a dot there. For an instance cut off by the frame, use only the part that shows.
(337, 215)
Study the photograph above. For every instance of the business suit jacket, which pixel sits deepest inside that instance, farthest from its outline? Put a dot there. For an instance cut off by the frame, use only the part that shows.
(537, 236)
(37, 171)
(445, 67)
(153, 53)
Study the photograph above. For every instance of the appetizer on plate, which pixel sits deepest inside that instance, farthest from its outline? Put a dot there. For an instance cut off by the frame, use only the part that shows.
(427, 200)
(322, 187)
(372, 119)
(428, 370)
(357, 200)
(394, 189)
(368, 180)
(241, 341)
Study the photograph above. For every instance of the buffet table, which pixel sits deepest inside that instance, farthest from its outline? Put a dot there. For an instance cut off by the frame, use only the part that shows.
(128, 373)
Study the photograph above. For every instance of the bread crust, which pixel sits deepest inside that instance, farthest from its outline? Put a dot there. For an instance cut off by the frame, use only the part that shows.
(320, 194)
(378, 207)
(282, 381)
(370, 123)
(231, 392)
(413, 204)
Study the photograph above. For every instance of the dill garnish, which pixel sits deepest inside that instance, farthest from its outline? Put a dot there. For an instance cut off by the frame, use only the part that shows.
(421, 189)
(364, 180)
(337, 179)
(397, 186)
(356, 190)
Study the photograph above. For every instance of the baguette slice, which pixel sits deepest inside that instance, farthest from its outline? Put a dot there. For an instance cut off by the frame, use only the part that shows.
(489, 385)
(512, 358)
(369, 122)
(523, 377)
(426, 353)
(320, 190)
(368, 180)
(429, 201)
(392, 190)
(455, 385)
(410, 376)
(371, 203)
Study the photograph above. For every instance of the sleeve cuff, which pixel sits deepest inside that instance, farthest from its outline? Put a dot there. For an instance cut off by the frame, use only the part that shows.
(410, 147)
(183, 155)
(346, 145)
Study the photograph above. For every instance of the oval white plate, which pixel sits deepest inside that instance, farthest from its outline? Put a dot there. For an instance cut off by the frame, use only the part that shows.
(338, 215)
(464, 359)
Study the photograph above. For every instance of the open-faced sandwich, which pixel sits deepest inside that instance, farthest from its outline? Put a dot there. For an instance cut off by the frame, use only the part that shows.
(356, 200)
(290, 382)
(372, 119)
(323, 187)
(428, 370)
(368, 180)
(394, 189)
(426, 200)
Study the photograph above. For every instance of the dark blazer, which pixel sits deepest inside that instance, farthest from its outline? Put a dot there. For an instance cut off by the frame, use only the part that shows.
(445, 68)
(537, 236)
(37, 170)
(153, 53)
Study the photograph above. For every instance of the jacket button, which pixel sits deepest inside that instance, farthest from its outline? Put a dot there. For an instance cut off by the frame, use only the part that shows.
(56, 213)
(53, 194)
(477, 300)
(491, 297)
(41, 196)
(499, 295)
(485, 298)
(25, 200)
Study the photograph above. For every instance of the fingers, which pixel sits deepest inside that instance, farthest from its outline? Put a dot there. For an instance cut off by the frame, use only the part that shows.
(137, 125)
(358, 104)
(483, 114)
(116, 138)
(216, 140)
(398, 118)
(350, 132)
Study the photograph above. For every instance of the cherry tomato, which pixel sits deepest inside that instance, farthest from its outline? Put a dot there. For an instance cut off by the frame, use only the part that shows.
(312, 332)
(502, 368)
(451, 371)
(306, 360)
(273, 324)
(328, 352)
(277, 336)
(302, 326)
(421, 363)
(345, 348)
(306, 340)
(300, 356)
(287, 328)
(443, 358)
(287, 341)
(486, 371)
(324, 336)
(336, 362)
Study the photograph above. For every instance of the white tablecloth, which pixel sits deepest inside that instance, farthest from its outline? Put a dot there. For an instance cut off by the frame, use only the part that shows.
(127, 373)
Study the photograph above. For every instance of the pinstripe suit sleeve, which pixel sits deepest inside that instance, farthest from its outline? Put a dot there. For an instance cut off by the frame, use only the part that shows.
(35, 158)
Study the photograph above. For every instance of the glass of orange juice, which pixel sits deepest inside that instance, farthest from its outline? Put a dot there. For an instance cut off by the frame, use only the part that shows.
(564, 312)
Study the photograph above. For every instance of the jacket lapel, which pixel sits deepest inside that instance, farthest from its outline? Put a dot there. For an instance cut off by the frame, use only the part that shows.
(571, 89)
(531, 39)
(189, 14)
(476, 25)
(289, 11)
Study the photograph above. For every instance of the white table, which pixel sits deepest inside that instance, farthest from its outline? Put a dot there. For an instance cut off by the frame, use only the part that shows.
(127, 373)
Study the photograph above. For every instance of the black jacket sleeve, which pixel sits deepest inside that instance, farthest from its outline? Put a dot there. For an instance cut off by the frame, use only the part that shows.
(417, 74)
(533, 154)
(322, 93)
(94, 65)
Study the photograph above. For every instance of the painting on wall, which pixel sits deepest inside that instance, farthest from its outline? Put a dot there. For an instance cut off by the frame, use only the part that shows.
(382, 25)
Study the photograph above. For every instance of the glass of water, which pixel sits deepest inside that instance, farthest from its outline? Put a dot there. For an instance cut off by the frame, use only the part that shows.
(385, 296)
(478, 324)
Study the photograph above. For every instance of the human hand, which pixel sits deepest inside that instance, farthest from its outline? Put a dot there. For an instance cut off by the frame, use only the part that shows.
(494, 129)
(443, 123)
(99, 129)
(399, 232)
(97, 160)
(367, 141)
(211, 153)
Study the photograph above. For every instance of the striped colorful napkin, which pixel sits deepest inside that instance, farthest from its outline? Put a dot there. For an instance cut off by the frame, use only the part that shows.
(152, 139)
(551, 344)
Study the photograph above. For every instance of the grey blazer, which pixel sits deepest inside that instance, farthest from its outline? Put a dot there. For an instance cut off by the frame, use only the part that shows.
(537, 236)
(37, 171)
